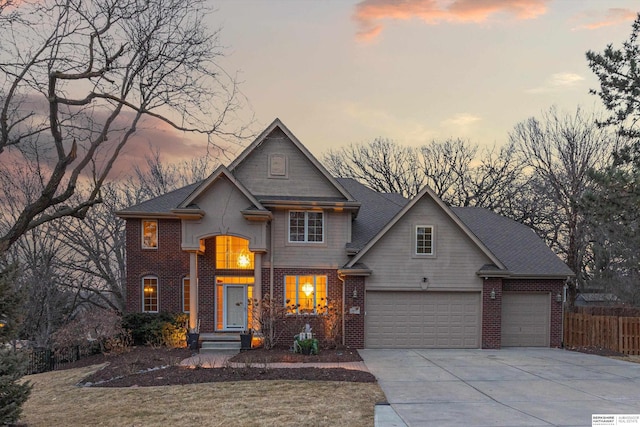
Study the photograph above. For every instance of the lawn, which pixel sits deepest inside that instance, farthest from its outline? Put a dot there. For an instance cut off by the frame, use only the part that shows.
(56, 400)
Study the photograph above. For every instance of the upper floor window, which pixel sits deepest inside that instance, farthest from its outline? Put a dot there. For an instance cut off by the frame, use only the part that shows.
(232, 253)
(186, 295)
(306, 226)
(150, 294)
(424, 240)
(149, 234)
(303, 294)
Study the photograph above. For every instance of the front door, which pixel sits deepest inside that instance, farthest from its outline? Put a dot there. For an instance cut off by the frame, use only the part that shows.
(235, 307)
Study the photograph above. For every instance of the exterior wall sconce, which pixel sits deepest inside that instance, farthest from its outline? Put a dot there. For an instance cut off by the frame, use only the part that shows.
(425, 279)
(559, 297)
(493, 294)
(355, 293)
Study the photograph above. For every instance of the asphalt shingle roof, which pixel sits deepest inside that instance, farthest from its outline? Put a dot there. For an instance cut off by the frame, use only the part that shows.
(376, 211)
(517, 246)
(164, 203)
(514, 244)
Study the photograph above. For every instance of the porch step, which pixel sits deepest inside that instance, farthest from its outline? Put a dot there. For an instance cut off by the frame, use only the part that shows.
(220, 343)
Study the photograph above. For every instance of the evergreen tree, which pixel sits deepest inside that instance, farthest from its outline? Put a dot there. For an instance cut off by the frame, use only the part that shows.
(614, 219)
(13, 393)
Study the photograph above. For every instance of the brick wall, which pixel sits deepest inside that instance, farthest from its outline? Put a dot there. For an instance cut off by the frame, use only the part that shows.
(354, 323)
(294, 324)
(168, 263)
(491, 313)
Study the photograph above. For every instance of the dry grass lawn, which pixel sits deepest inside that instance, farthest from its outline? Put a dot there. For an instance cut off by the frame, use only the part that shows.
(56, 400)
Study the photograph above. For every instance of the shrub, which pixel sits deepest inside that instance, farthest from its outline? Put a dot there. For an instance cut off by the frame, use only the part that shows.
(174, 333)
(157, 328)
(90, 328)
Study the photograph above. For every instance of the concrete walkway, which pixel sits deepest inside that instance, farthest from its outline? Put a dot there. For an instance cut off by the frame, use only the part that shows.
(219, 360)
(509, 387)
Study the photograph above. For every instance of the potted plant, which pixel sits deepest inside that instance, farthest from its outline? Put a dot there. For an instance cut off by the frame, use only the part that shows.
(245, 340)
(308, 346)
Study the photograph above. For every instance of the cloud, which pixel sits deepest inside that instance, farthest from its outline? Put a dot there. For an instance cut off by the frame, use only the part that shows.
(461, 120)
(611, 17)
(370, 13)
(558, 81)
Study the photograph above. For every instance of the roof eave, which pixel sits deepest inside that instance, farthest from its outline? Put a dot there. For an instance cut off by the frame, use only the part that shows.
(188, 213)
(146, 215)
(299, 204)
(354, 272)
(253, 215)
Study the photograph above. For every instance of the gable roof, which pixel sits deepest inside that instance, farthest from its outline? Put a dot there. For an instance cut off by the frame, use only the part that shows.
(520, 251)
(207, 183)
(519, 248)
(376, 210)
(426, 192)
(159, 206)
(263, 136)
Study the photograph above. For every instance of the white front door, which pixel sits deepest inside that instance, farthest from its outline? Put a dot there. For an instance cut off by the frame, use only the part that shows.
(235, 307)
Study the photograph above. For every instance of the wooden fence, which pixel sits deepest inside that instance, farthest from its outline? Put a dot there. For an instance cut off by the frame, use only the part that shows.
(617, 333)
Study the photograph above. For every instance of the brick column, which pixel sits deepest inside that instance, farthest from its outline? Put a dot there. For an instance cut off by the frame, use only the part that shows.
(491, 313)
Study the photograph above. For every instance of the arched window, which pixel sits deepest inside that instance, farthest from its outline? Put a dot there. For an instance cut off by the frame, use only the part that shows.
(232, 253)
(150, 294)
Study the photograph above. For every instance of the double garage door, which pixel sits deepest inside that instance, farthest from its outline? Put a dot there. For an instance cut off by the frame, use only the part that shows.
(422, 319)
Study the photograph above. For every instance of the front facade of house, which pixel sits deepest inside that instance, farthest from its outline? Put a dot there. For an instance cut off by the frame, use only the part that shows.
(405, 273)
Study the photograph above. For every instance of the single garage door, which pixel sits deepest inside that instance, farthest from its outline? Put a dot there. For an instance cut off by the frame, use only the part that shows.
(422, 319)
(525, 320)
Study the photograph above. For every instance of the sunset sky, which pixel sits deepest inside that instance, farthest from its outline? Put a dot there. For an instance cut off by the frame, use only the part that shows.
(339, 72)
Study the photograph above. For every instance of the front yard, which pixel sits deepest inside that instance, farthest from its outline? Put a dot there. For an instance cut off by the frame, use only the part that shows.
(57, 400)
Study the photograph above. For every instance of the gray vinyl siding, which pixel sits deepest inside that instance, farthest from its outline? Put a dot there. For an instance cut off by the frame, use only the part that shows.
(302, 179)
(329, 254)
(452, 267)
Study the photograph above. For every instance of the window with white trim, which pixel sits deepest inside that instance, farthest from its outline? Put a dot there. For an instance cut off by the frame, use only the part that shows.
(424, 240)
(303, 294)
(186, 294)
(149, 234)
(150, 294)
(306, 226)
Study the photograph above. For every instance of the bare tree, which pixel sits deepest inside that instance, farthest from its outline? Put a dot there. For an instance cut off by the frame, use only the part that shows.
(382, 164)
(97, 244)
(446, 165)
(78, 79)
(560, 149)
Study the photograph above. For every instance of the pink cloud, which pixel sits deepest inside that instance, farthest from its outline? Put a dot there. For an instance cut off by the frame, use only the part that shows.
(613, 16)
(370, 13)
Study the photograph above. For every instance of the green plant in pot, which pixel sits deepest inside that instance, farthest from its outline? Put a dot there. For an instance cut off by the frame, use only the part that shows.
(308, 346)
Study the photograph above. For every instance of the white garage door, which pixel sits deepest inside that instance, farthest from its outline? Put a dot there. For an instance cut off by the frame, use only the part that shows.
(525, 320)
(422, 319)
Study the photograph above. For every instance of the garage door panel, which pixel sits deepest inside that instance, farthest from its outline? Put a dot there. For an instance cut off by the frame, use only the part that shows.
(525, 320)
(422, 319)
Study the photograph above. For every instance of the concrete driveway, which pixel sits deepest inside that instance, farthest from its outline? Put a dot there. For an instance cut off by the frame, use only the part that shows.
(509, 387)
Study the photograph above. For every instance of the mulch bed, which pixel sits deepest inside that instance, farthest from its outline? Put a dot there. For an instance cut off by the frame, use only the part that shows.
(600, 351)
(148, 366)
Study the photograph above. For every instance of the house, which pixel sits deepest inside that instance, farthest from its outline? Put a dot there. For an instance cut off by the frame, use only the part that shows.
(596, 299)
(405, 273)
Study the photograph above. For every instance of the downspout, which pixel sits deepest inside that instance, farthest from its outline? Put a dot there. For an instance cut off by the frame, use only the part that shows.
(271, 243)
(342, 279)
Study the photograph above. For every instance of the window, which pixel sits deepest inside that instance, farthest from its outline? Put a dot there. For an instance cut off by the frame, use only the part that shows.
(149, 234)
(150, 294)
(186, 294)
(424, 240)
(304, 293)
(232, 253)
(306, 226)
